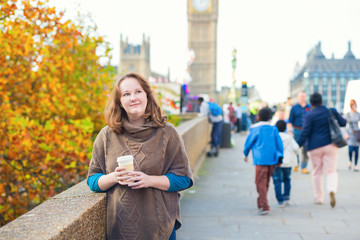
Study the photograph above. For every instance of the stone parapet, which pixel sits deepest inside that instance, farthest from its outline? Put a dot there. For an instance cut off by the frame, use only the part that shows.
(79, 213)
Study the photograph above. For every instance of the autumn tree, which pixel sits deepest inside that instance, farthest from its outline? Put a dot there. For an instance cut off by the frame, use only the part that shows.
(54, 80)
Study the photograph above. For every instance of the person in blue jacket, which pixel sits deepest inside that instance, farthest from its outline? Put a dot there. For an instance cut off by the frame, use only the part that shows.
(322, 152)
(267, 149)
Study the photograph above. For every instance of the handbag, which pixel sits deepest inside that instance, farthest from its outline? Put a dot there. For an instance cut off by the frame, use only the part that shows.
(335, 132)
(356, 133)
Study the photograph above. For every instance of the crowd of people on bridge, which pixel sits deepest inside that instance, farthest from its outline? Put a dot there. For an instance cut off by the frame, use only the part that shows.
(305, 133)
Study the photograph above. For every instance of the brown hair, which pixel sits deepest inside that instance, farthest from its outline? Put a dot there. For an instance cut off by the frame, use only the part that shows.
(115, 114)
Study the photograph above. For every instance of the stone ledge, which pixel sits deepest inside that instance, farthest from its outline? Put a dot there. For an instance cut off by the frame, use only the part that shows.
(62, 217)
(79, 213)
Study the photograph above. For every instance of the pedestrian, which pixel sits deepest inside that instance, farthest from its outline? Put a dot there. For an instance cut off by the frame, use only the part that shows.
(232, 116)
(238, 117)
(282, 173)
(295, 126)
(353, 118)
(217, 122)
(288, 106)
(144, 203)
(322, 152)
(279, 115)
(265, 143)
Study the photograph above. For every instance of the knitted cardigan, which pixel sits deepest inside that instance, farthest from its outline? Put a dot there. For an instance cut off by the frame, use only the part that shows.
(146, 213)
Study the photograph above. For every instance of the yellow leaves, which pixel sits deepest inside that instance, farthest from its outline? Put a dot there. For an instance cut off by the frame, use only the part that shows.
(71, 165)
(45, 147)
(49, 125)
(48, 115)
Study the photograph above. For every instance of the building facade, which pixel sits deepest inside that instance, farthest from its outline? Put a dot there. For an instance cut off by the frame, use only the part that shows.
(327, 76)
(202, 38)
(136, 58)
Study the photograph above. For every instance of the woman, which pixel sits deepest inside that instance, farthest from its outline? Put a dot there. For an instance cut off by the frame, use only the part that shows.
(322, 153)
(353, 118)
(232, 116)
(146, 204)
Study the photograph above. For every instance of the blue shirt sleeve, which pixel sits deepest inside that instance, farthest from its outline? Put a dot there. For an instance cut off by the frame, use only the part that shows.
(93, 182)
(250, 141)
(291, 116)
(178, 183)
(307, 128)
(342, 121)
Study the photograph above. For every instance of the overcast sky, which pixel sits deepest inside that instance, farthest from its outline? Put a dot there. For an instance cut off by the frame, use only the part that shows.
(270, 36)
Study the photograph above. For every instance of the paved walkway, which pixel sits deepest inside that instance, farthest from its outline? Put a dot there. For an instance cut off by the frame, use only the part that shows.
(222, 204)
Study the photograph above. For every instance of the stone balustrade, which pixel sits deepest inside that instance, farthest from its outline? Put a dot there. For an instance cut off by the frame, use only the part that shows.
(79, 213)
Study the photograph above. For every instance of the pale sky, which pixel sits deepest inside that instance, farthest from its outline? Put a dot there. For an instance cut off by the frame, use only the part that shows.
(270, 36)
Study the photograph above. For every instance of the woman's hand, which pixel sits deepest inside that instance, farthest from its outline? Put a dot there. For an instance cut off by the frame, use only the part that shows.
(347, 136)
(107, 181)
(121, 175)
(142, 180)
(139, 180)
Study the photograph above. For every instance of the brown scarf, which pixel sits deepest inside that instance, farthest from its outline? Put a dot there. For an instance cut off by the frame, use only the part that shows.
(146, 213)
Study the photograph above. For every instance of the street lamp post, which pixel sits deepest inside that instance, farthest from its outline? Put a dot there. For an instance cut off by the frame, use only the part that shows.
(232, 94)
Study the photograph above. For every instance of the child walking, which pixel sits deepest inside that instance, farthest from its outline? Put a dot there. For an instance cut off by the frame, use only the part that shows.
(281, 175)
(265, 143)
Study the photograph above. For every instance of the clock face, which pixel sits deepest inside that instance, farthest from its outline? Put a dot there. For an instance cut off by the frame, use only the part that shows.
(201, 5)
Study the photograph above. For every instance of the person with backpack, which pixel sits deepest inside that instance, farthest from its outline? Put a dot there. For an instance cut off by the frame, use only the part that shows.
(214, 112)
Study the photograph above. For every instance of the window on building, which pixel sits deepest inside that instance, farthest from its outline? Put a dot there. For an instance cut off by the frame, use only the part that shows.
(127, 49)
(316, 82)
(342, 89)
(351, 76)
(324, 88)
(333, 89)
(136, 49)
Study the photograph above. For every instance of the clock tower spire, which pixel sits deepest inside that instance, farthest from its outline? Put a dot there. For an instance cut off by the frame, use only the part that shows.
(202, 38)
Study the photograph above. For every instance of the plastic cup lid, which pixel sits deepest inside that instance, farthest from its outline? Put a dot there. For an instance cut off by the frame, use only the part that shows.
(124, 159)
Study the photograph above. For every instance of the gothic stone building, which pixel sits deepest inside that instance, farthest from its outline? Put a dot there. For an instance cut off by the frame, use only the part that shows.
(329, 77)
(136, 58)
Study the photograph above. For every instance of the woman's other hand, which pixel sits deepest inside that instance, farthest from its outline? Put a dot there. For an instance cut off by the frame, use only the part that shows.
(347, 136)
(142, 180)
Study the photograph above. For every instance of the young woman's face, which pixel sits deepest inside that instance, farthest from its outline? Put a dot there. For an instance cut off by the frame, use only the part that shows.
(353, 106)
(133, 98)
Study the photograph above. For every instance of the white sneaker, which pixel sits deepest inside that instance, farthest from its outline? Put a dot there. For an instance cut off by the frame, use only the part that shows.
(356, 168)
(281, 205)
(349, 165)
(263, 212)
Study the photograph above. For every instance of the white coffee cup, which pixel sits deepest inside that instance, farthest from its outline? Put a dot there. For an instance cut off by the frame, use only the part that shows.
(127, 162)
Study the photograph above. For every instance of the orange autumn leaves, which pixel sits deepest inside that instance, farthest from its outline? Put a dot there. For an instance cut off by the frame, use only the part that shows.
(54, 79)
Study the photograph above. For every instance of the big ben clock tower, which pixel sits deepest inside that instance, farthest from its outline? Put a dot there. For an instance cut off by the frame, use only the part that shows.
(202, 36)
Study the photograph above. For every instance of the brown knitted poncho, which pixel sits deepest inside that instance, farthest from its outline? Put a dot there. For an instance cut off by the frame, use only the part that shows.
(146, 213)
